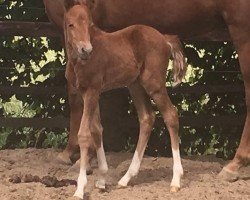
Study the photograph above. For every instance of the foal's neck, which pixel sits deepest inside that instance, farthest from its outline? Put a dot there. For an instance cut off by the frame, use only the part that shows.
(95, 32)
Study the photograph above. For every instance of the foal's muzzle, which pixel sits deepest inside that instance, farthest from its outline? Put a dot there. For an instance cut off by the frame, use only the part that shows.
(85, 53)
(84, 50)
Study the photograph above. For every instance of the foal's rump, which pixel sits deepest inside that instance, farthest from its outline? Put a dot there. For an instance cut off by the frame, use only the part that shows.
(146, 39)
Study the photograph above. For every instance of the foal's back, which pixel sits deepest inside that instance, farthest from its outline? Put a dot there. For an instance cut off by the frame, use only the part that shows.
(122, 54)
(139, 38)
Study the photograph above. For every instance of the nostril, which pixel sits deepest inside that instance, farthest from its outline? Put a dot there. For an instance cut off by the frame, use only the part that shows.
(89, 50)
(86, 51)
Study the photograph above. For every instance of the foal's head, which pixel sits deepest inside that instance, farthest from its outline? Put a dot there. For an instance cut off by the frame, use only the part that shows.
(78, 21)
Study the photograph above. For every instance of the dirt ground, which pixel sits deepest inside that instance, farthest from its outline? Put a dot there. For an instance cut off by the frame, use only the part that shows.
(152, 183)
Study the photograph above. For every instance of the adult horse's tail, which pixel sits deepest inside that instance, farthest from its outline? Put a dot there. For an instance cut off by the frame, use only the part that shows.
(179, 61)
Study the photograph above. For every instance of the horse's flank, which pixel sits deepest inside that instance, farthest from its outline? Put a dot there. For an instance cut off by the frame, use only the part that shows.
(180, 17)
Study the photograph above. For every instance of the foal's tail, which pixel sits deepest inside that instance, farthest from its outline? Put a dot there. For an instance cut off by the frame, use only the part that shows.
(179, 61)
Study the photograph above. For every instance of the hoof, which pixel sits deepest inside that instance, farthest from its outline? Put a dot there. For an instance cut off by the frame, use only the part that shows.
(174, 189)
(62, 159)
(228, 175)
(78, 196)
(100, 185)
(73, 198)
(119, 186)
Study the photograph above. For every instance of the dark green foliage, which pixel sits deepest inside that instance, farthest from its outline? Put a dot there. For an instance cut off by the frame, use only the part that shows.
(25, 10)
(24, 62)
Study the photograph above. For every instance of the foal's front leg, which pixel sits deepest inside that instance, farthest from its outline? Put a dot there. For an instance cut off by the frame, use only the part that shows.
(90, 99)
(96, 132)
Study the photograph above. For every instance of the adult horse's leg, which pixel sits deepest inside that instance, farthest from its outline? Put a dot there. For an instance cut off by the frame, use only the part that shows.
(96, 133)
(240, 33)
(90, 99)
(75, 103)
(146, 119)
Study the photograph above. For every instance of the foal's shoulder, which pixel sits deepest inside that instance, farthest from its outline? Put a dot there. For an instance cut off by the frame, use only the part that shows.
(103, 42)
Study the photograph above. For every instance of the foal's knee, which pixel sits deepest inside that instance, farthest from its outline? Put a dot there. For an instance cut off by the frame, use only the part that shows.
(148, 119)
(84, 140)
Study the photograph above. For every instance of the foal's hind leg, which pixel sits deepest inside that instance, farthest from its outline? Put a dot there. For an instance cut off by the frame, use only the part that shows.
(146, 119)
(170, 116)
(171, 120)
(153, 80)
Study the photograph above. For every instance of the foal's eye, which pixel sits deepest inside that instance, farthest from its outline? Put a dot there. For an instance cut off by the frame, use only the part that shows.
(71, 25)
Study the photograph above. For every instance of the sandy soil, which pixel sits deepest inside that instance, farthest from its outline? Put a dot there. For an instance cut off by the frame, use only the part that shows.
(152, 183)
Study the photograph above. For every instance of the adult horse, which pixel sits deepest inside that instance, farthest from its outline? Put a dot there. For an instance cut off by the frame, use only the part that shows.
(186, 19)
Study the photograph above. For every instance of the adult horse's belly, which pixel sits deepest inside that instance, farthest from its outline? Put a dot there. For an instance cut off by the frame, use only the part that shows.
(186, 18)
(55, 12)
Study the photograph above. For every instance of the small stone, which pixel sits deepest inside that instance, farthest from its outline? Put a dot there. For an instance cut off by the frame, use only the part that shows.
(8, 167)
(68, 182)
(11, 162)
(13, 190)
(15, 179)
(37, 179)
(49, 181)
(28, 178)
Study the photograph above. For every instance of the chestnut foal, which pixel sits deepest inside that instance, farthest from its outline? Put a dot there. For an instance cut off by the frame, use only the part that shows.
(135, 57)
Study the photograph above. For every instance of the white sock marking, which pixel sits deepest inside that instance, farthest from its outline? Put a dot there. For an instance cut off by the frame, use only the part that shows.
(81, 183)
(177, 168)
(103, 168)
(132, 170)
